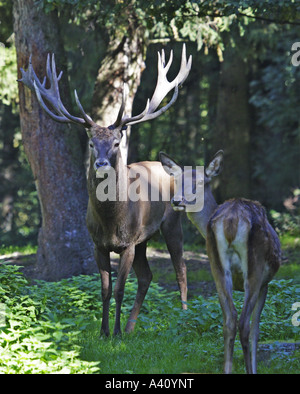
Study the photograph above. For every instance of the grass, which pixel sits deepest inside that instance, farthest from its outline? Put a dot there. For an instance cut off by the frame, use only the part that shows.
(287, 271)
(290, 241)
(290, 244)
(148, 353)
(54, 327)
(25, 250)
(191, 341)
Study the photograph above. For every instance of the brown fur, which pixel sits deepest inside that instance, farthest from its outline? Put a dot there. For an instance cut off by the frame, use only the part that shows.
(263, 260)
(230, 225)
(101, 132)
(125, 227)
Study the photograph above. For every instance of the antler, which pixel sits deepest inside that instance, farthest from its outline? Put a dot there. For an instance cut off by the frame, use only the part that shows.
(163, 87)
(52, 95)
(60, 113)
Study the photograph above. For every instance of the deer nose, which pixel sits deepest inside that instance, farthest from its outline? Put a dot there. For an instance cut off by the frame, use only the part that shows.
(176, 202)
(101, 163)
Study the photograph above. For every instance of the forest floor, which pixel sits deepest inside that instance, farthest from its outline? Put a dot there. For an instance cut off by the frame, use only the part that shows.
(200, 280)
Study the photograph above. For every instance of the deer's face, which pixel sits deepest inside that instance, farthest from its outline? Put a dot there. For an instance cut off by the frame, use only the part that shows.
(104, 146)
(190, 183)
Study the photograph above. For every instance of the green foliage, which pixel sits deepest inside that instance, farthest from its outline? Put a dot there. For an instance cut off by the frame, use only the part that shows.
(41, 325)
(54, 328)
(24, 250)
(8, 66)
(6, 20)
(204, 316)
(161, 19)
(170, 340)
(288, 223)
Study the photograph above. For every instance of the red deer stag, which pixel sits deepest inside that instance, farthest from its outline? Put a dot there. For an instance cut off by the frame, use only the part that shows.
(243, 250)
(122, 225)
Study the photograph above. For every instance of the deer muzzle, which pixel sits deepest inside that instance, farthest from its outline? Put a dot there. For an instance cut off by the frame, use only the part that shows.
(103, 164)
(177, 205)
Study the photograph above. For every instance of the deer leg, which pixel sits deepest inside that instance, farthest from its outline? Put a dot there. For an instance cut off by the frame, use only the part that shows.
(223, 281)
(251, 298)
(103, 262)
(224, 288)
(172, 232)
(254, 297)
(144, 277)
(126, 261)
(254, 330)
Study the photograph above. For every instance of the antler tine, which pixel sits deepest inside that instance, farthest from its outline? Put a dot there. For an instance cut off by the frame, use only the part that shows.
(52, 95)
(185, 66)
(163, 87)
(153, 115)
(122, 108)
(29, 76)
(163, 69)
(57, 118)
(86, 117)
(31, 80)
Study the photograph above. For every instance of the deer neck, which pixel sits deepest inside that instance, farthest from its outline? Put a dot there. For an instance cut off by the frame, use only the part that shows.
(200, 219)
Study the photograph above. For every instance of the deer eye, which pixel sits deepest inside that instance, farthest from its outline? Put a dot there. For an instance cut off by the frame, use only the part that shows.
(91, 145)
(116, 145)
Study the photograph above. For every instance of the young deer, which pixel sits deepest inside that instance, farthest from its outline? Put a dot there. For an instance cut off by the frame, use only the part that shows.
(122, 225)
(243, 250)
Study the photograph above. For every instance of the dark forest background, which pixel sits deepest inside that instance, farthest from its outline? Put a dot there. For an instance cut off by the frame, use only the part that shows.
(242, 95)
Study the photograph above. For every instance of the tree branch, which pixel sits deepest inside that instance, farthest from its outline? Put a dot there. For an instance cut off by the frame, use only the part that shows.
(281, 22)
(239, 13)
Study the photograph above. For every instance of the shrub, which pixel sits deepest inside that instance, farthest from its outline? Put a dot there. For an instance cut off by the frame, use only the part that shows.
(41, 325)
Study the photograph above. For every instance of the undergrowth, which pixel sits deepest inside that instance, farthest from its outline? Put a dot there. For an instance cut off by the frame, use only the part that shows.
(53, 327)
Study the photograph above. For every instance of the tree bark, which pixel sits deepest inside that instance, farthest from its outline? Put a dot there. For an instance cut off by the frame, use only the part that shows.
(54, 153)
(232, 127)
(124, 62)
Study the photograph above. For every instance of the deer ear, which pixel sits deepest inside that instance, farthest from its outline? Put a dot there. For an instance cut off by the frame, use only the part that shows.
(215, 166)
(169, 165)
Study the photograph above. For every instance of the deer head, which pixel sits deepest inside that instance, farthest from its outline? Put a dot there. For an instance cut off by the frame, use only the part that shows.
(104, 141)
(187, 181)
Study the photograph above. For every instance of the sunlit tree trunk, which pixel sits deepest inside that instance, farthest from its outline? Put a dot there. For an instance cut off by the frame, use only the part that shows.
(54, 153)
(124, 62)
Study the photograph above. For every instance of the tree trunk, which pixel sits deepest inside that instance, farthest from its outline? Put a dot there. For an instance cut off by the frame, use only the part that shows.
(124, 62)
(232, 127)
(54, 154)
